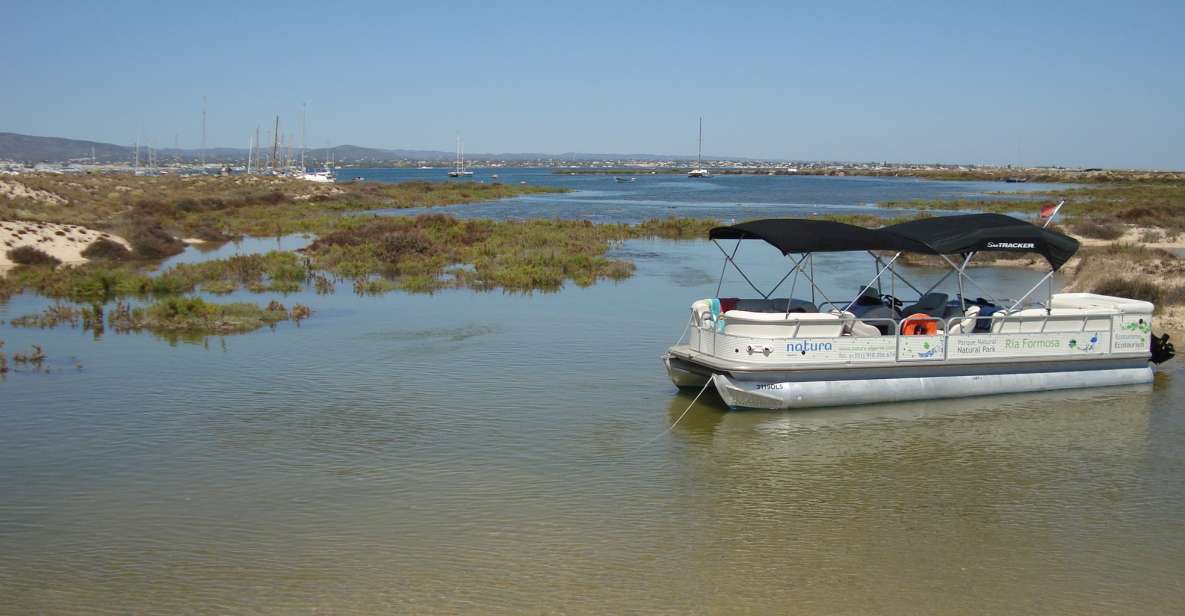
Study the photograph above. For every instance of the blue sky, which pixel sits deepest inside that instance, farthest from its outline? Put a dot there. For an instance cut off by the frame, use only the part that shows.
(1074, 83)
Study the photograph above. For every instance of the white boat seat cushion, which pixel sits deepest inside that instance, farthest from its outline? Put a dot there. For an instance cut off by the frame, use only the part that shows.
(781, 325)
(967, 324)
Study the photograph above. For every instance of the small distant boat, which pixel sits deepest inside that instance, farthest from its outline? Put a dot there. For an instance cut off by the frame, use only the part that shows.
(1016, 180)
(359, 178)
(699, 171)
(423, 167)
(460, 171)
(626, 180)
(495, 176)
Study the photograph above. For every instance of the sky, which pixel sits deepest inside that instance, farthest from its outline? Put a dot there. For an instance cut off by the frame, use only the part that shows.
(1073, 83)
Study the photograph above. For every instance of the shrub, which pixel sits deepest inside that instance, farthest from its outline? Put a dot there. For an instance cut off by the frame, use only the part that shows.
(1152, 236)
(1101, 230)
(396, 245)
(149, 240)
(104, 248)
(1131, 288)
(29, 255)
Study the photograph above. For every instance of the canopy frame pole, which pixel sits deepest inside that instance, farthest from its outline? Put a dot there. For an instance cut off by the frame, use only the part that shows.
(1054, 213)
(728, 260)
(814, 286)
(793, 285)
(962, 298)
(940, 281)
(811, 278)
(724, 266)
(1030, 291)
(975, 284)
(873, 281)
(771, 291)
(895, 276)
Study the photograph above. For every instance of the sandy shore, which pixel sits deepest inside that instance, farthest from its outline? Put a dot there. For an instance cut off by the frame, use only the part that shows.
(64, 242)
(1132, 236)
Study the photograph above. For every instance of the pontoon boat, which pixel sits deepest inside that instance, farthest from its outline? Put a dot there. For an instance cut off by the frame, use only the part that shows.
(788, 352)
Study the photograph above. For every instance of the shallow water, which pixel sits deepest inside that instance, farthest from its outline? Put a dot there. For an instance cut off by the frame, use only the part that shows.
(600, 198)
(497, 453)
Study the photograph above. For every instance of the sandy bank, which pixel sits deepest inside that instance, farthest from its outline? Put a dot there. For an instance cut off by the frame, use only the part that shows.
(1136, 235)
(64, 242)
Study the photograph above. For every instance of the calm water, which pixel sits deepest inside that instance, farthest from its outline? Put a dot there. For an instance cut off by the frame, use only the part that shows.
(600, 198)
(495, 453)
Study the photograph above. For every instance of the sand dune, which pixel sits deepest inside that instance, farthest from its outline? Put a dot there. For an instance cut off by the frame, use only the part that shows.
(65, 242)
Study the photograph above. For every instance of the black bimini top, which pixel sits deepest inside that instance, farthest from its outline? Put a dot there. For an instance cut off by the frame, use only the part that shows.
(802, 235)
(940, 235)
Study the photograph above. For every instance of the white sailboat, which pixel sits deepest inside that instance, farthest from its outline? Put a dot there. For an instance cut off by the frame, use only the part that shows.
(460, 171)
(700, 171)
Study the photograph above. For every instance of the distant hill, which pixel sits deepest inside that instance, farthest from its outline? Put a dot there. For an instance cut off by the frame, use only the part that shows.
(27, 148)
(31, 149)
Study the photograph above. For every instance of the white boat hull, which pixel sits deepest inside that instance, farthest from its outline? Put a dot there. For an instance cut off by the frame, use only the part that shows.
(755, 392)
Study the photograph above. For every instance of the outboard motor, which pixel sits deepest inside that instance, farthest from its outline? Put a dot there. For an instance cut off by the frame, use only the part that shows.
(1162, 349)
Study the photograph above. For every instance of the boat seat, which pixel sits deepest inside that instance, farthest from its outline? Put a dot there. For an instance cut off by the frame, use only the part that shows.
(967, 324)
(1094, 300)
(782, 325)
(933, 304)
(775, 305)
(853, 326)
(876, 315)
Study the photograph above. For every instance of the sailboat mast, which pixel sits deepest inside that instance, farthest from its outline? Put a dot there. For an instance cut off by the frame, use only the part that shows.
(275, 143)
(700, 152)
(203, 154)
(304, 110)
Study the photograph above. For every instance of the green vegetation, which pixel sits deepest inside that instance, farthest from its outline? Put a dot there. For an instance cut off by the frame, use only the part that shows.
(282, 272)
(425, 253)
(1158, 203)
(175, 314)
(152, 211)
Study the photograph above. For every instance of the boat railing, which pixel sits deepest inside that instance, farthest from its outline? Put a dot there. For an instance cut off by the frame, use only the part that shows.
(954, 327)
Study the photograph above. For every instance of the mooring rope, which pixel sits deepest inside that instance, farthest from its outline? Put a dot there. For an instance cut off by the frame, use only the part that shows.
(686, 327)
(685, 411)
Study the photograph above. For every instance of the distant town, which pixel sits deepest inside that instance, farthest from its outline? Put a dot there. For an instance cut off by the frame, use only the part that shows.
(26, 154)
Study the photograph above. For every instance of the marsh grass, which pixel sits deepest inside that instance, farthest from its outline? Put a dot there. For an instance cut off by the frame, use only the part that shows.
(173, 314)
(1129, 270)
(423, 253)
(1097, 229)
(276, 271)
(1154, 202)
(157, 209)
